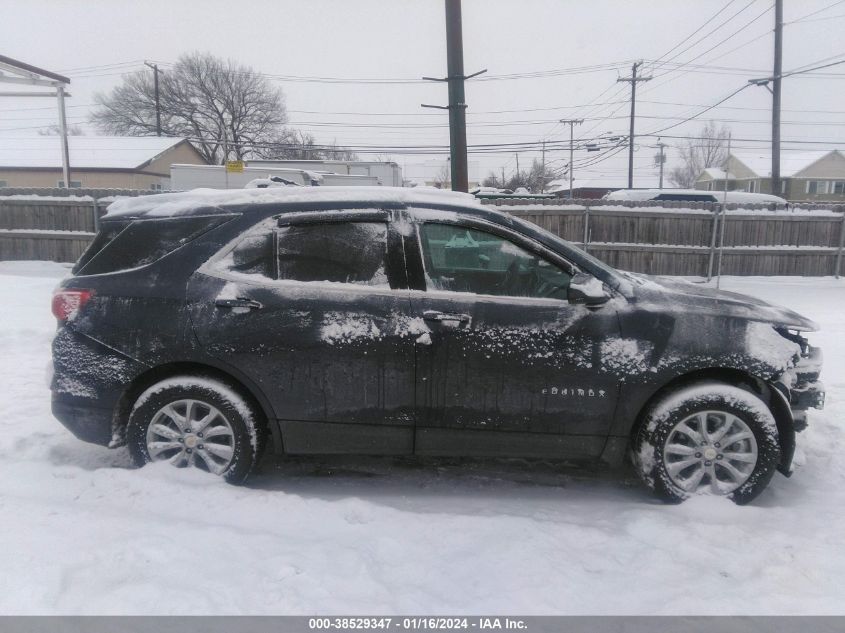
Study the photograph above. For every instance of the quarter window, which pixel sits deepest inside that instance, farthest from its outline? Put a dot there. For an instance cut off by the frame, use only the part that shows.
(462, 259)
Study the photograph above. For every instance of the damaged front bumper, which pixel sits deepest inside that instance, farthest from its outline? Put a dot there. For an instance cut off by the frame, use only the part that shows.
(802, 387)
(798, 389)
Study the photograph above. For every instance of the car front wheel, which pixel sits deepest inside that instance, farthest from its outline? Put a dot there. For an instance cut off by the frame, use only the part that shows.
(707, 438)
(192, 421)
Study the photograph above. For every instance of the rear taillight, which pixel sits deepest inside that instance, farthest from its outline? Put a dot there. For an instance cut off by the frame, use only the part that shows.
(68, 303)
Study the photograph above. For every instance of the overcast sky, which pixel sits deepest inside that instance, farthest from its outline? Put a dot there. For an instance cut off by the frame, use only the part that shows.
(94, 42)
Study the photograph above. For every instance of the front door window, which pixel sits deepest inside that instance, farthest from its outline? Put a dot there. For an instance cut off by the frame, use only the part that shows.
(462, 259)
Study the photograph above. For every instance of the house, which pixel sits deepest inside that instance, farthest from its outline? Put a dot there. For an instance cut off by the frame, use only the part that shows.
(812, 176)
(121, 162)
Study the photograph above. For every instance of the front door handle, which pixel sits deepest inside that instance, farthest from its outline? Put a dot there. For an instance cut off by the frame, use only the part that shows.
(434, 315)
(240, 302)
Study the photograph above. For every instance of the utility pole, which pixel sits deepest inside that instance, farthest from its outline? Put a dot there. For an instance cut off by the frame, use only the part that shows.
(517, 166)
(158, 102)
(457, 101)
(572, 123)
(60, 93)
(543, 169)
(661, 159)
(776, 81)
(633, 79)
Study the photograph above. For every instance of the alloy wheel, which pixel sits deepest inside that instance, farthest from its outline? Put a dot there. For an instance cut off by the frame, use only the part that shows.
(191, 433)
(710, 451)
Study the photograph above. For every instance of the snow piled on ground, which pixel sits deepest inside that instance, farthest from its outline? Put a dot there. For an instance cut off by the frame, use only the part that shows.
(82, 532)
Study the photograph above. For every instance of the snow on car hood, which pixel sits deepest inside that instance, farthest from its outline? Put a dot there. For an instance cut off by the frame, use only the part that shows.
(698, 297)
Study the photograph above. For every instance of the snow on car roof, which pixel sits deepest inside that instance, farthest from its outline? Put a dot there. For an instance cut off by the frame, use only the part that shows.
(171, 204)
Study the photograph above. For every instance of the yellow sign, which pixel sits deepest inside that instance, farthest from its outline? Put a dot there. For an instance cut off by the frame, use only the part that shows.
(235, 166)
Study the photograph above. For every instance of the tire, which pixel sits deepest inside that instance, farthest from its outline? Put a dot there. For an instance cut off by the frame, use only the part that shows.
(224, 437)
(676, 461)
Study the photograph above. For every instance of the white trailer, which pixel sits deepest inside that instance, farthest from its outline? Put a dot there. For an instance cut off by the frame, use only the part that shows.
(333, 180)
(389, 174)
(185, 177)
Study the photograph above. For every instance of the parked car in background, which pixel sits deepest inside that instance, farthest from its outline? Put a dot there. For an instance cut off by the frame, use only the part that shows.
(383, 321)
(694, 195)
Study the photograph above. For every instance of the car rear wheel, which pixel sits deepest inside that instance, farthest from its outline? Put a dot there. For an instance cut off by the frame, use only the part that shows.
(196, 422)
(707, 438)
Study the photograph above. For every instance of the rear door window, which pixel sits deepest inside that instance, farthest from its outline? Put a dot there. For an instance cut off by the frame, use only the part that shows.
(348, 252)
(338, 252)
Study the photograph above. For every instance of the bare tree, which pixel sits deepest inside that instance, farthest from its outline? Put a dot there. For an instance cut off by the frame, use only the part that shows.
(337, 152)
(534, 179)
(291, 144)
(55, 130)
(709, 150)
(443, 177)
(224, 108)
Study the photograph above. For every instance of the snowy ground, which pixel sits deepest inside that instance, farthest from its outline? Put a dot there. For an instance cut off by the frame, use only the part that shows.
(80, 532)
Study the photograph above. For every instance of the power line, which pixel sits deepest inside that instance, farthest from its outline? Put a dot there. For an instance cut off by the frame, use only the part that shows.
(708, 34)
(556, 72)
(807, 70)
(824, 19)
(619, 92)
(804, 17)
(713, 17)
(134, 62)
(700, 55)
(698, 114)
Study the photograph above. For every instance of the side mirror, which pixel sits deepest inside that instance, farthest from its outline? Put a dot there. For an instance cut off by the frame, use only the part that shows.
(584, 289)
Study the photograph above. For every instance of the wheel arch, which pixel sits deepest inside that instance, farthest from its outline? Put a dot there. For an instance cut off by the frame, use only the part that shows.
(771, 396)
(158, 373)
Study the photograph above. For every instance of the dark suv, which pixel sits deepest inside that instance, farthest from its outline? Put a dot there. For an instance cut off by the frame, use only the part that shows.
(385, 321)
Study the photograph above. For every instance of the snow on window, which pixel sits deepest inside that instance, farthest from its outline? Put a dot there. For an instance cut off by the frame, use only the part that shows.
(348, 252)
(509, 248)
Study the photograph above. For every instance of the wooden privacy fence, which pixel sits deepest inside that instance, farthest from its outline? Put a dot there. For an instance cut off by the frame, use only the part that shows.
(667, 238)
(52, 224)
(697, 239)
(49, 229)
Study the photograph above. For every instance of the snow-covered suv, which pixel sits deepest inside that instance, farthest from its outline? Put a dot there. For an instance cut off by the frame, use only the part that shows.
(387, 321)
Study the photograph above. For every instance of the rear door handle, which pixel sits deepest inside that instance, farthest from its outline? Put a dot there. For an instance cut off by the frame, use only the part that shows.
(240, 302)
(434, 315)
